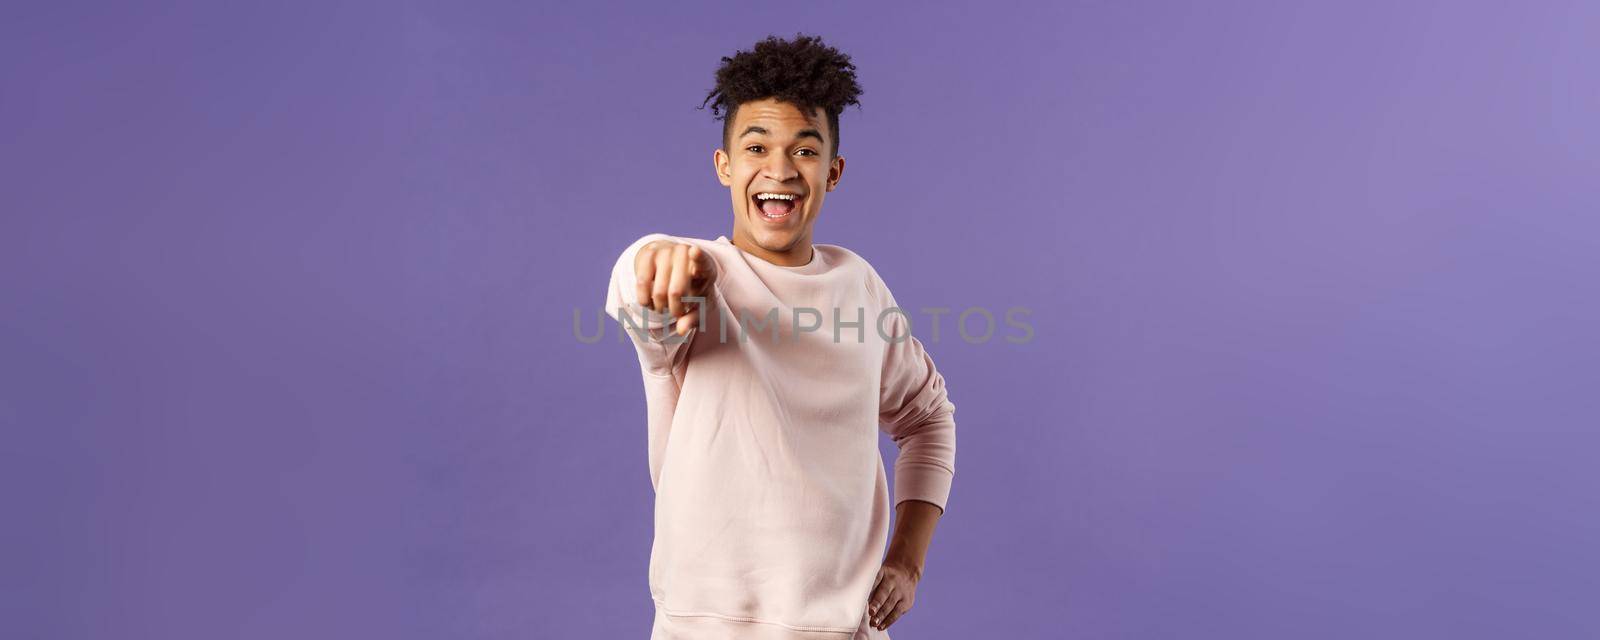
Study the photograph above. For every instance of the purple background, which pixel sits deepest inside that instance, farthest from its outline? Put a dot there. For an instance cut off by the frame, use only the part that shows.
(287, 343)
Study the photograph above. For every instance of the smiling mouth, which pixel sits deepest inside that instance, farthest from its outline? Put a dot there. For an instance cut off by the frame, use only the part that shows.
(776, 206)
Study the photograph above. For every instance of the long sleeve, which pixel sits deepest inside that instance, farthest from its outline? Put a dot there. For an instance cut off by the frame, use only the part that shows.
(916, 412)
(663, 356)
(661, 351)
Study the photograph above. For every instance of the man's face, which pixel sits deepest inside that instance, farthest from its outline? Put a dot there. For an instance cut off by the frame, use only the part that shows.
(776, 149)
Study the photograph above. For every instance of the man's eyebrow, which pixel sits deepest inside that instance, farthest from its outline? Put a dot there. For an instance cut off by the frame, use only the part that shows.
(804, 133)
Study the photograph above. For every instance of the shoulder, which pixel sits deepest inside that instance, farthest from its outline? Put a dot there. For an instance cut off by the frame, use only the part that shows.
(847, 259)
(836, 251)
(843, 258)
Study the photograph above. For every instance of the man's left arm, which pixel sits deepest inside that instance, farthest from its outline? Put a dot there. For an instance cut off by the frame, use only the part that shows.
(916, 412)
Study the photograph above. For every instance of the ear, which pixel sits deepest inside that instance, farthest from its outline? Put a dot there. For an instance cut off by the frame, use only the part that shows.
(719, 163)
(835, 171)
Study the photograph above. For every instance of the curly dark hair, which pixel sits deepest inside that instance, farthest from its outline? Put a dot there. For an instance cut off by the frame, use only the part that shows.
(803, 72)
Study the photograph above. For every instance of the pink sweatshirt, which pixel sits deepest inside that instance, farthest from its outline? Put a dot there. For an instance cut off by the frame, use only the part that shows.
(772, 506)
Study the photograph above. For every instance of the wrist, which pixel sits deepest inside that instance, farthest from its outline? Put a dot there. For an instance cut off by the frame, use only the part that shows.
(905, 561)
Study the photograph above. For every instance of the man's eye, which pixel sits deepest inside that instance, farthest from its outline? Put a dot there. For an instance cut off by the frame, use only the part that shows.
(807, 152)
(755, 148)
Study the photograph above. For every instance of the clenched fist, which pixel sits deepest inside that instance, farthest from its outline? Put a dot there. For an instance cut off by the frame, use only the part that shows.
(667, 271)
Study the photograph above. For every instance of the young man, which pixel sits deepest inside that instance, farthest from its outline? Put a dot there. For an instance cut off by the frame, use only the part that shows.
(767, 361)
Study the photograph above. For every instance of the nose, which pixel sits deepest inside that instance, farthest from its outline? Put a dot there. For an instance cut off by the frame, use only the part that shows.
(780, 168)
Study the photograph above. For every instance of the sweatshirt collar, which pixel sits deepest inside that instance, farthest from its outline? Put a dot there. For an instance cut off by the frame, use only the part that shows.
(817, 265)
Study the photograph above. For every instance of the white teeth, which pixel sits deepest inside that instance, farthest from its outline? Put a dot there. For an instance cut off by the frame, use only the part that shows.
(775, 196)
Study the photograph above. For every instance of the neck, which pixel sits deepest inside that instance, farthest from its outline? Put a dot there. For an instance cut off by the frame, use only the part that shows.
(798, 255)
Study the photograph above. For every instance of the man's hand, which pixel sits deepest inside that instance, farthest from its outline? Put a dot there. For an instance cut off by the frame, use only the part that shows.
(666, 272)
(896, 588)
(893, 593)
